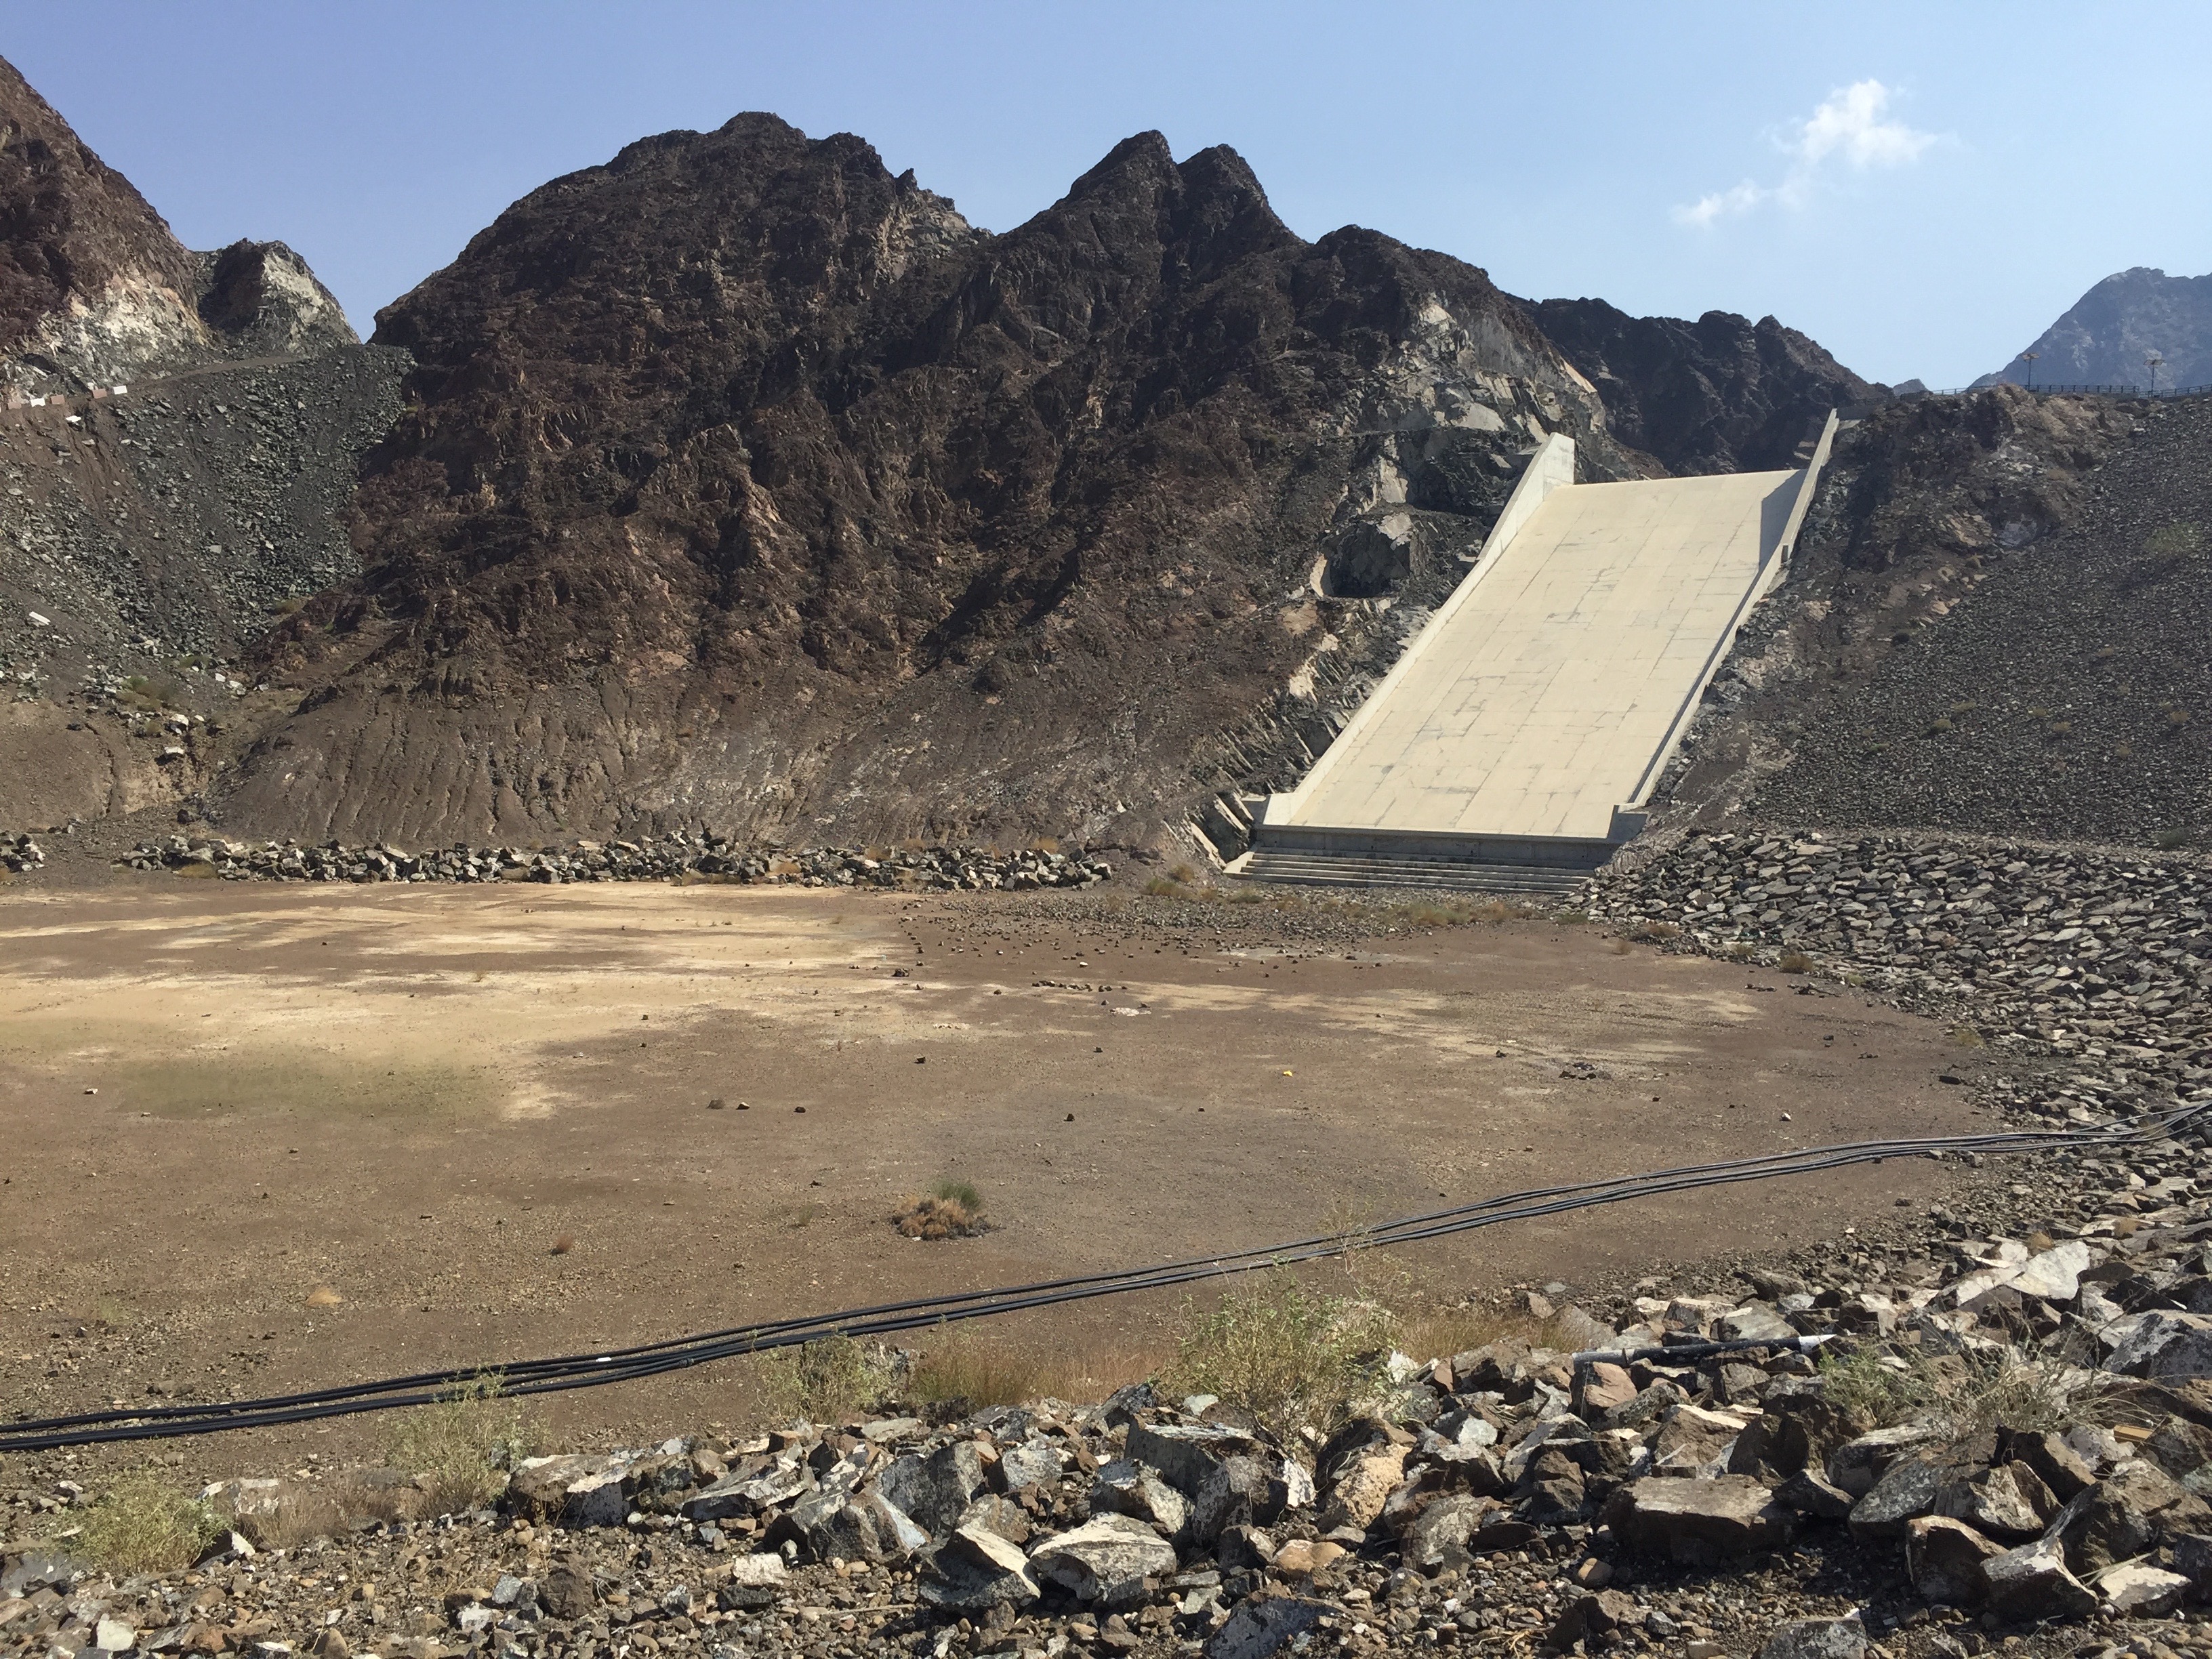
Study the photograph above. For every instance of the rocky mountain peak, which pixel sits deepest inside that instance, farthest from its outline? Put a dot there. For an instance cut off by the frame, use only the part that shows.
(2109, 335)
(261, 298)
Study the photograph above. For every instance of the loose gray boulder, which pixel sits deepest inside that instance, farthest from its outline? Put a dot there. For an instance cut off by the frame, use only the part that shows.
(974, 1570)
(1699, 1521)
(2161, 1345)
(1945, 1559)
(2031, 1584)
(933, 1492)
(1107, 1560)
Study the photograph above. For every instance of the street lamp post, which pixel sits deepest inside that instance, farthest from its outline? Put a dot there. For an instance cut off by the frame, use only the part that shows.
(2029, 357)
(2151, 361)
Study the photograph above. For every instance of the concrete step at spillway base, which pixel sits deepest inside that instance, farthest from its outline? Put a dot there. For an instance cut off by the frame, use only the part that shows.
(1345, 870)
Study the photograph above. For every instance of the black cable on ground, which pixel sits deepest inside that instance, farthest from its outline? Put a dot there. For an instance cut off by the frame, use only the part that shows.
(560, 1374)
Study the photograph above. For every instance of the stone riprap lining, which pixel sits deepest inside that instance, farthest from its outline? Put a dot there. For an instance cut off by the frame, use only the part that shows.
(2102, 957)
(1502, 1498)
(672, 858)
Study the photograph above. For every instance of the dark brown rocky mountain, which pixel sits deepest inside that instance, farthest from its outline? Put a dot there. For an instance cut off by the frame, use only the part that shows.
(744, 483)
(1723, 394)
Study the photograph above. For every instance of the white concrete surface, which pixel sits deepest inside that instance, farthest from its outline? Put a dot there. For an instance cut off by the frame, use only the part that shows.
(1549, 688)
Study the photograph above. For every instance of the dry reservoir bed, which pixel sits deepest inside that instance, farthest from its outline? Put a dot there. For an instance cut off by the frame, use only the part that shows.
(481, 1117)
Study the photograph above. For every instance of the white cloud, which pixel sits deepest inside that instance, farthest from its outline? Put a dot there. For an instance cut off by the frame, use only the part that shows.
(1722, 204)
(1852, 125)
(1851, 122)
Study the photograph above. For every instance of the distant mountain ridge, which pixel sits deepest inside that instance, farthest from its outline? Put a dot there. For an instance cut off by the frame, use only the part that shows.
(2105, 337)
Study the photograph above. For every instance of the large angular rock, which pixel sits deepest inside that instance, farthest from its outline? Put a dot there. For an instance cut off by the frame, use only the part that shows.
(1945, 1558)
(1817, 1639)
(1699, 1522)
(750, 1489)
(1361, 1487)
(974, 1570)
(2139, 1590)
(574, 1490)
(2031, 1584)
(1857, 1463)
(1239, 1491)
(1436, 1538)
(2055, 1274)
(867, 1527)
(1754, 1322)
(1106, 1560)
(935, 1491)
(1812, 1496)
(1031, 1463)
(2056, 1464)
(1125, 1487)
(2161, 1345)
(1691, 1440)
(1185, 1453)
(2124, 1515)
(2007, 1502)
(1907, 1489)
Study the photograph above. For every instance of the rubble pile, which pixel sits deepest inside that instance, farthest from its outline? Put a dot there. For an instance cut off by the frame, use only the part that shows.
(670, 858)
(20, 852)
(1979, 1439)
(2106, 957)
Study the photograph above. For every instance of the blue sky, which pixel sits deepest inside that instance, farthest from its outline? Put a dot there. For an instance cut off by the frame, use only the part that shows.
(1921, 188)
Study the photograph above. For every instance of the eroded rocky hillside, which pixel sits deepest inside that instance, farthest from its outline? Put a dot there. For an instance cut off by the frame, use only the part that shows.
(1721, 394)
(744, 482)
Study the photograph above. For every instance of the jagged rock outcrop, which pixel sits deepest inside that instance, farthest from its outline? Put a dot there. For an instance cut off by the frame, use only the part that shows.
(1723, 394)
(745, 484)
(96, 289)
(93, 284)
(2107, 335)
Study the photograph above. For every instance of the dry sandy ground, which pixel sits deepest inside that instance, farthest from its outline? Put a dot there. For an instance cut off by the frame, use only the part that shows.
(409, 1095)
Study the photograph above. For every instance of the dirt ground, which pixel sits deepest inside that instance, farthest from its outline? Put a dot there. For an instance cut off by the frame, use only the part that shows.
(216, 1102)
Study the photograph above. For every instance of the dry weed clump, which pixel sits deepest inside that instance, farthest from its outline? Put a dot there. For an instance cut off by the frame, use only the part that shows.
(1964, 1397)
(144, 1525)
(461, 1446)
(830, 1380)
(1293, 1356)
(951, 1209)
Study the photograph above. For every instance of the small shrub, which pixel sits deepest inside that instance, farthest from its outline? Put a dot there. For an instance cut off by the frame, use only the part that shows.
(1045, 844)
(143, 1525)
(2059, 729)
(1293, 1358)
(1161, 887)
(950, 1209)
(1868, 1392)
(1655, 932)
(1794, 962)
(830, 1380)
(2177, 718)
(2178, 540)
(1936, 728)
(1967, 1036)
(462, 1445)
(2170, 840)
(1181, 873)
